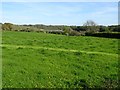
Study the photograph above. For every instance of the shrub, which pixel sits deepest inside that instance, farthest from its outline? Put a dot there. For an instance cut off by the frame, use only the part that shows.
(104, 34)
(74, 33)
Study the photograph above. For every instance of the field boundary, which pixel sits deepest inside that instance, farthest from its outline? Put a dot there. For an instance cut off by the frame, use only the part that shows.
(56, 49)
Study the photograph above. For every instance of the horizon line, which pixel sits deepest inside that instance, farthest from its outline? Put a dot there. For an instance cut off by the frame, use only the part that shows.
(53, 24)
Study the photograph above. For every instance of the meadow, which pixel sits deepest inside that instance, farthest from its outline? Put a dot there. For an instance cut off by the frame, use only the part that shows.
(40, 60)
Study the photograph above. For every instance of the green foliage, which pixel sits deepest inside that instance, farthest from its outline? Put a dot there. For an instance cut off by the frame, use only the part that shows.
(89, 27)
(74, 33)
(105, 34)
(38, 60)
(114, 28)
(67, 30)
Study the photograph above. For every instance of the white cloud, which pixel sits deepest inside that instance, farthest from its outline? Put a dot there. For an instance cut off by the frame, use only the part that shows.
(61, 13)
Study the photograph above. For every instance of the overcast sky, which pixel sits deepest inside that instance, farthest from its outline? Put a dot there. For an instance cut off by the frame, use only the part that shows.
(68, 13)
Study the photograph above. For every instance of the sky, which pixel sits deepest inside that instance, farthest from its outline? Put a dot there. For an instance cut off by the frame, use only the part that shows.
(60, 13)
(60, 0)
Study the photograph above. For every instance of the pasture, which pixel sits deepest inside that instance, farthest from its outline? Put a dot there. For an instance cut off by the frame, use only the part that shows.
(39, 60)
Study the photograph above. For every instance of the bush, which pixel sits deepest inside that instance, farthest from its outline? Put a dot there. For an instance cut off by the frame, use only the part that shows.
(104, 34)
(74, 33)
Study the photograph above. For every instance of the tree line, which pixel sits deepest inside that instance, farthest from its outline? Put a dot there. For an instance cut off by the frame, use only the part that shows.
(88, 28)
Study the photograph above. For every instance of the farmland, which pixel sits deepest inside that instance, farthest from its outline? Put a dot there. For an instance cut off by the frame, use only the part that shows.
(40, 60)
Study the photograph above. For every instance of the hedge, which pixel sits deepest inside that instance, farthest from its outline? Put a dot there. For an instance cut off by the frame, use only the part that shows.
(104, 34)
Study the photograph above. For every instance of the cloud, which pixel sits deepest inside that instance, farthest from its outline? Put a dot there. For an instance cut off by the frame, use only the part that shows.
(59, 13)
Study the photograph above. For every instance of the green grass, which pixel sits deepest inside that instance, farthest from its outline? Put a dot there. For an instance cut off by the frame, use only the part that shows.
(48, 61)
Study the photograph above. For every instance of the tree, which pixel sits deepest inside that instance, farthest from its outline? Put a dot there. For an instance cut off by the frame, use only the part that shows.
(7, 26)
(67, 30)
(91, 26)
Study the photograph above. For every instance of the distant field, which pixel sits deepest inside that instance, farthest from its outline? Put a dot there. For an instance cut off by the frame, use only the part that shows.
(42, 60)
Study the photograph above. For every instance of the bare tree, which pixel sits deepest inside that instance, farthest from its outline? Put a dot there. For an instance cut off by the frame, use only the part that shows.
(91, 26)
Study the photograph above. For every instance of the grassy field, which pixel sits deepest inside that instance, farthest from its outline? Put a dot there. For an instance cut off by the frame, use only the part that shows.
(39, 60)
